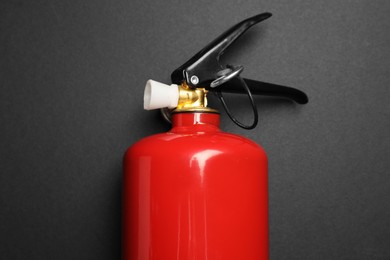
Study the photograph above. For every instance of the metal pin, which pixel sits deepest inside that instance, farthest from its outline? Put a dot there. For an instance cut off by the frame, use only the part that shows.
(194, 80)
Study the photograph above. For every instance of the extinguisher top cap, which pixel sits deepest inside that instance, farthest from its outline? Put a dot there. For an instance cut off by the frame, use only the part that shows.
(158, 95)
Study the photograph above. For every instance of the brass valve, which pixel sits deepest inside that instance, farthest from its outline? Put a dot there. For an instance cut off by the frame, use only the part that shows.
(192, 99)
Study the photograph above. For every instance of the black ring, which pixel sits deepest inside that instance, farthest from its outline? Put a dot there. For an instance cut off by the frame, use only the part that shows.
(255, 113)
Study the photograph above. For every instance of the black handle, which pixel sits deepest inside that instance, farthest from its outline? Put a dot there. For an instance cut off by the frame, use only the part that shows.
(264, 88)
(205, 64)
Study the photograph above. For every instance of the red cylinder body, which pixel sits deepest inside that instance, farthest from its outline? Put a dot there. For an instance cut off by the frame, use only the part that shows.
(195, 193)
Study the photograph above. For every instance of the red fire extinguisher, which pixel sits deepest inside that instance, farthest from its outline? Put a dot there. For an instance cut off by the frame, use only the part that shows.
(196, 192)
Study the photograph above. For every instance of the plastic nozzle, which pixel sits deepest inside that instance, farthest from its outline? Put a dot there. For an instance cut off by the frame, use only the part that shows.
(158, 95)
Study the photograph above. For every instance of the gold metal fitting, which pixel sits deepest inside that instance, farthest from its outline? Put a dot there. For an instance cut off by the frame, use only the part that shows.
(191, 100)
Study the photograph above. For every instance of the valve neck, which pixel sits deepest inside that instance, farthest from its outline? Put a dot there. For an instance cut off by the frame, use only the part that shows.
(195, 122)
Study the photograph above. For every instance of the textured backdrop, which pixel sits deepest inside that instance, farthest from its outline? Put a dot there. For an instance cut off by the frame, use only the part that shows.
(71, 91)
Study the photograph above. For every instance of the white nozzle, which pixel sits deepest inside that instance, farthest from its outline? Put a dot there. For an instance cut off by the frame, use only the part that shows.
(159, 95)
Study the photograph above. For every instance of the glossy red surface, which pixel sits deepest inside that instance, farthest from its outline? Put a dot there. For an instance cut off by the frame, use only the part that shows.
(195, 192)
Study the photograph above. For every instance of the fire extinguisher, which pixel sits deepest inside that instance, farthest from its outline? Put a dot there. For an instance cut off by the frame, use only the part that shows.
(197, 192)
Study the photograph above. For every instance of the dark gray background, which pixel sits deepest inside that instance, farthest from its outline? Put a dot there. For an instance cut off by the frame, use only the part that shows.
(71, 81)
